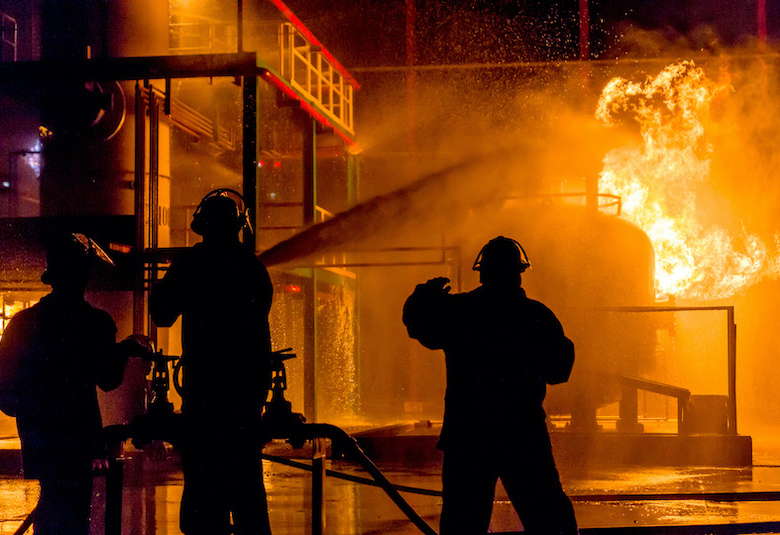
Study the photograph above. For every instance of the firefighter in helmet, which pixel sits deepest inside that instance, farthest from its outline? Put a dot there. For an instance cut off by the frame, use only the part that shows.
(52, 356)
(223, 294)
(501, 350)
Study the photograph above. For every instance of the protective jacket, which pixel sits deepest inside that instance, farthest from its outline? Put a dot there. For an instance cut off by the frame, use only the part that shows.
(52, 355)
(223, 292)
(501, 351)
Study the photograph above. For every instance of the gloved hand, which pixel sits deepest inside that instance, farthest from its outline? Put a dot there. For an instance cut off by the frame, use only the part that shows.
(136, 346)
(436, 286)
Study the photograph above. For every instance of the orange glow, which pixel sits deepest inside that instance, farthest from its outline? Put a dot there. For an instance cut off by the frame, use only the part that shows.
(661, 181)
(9, 308)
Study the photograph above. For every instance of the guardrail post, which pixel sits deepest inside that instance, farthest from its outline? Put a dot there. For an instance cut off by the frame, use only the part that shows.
(732, 349)
(318, 487)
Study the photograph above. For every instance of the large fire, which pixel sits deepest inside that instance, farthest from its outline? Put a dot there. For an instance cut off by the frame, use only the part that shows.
(661, 182)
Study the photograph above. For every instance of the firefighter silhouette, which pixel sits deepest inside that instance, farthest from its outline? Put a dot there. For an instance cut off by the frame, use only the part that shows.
(52, 356)
(501, 350)
(223, 293)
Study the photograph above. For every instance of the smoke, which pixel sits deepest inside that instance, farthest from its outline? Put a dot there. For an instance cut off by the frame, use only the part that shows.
(471, 154)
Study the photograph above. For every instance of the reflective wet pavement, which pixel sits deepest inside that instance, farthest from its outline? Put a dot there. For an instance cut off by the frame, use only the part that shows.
(153, 490)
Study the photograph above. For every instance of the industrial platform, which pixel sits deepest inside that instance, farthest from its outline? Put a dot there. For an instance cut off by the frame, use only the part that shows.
(415, 443)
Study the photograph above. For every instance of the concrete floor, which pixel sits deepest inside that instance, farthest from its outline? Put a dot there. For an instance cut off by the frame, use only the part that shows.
(153, 489)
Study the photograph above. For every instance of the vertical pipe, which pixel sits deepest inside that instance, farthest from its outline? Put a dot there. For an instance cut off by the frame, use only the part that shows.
(584, 30)
(249, 186)
(140, 202)
(628, 410)
(761, 25)
(309, 172)
(154, 219)
(592, 192)
(310, 298)
(732, 372)
(353, 179)
(114, 484)
(240, 26)
(318, 487)
(310, 363)
(411, 80)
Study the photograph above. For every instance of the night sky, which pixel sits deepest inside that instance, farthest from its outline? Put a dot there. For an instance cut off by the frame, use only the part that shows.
(365, 33)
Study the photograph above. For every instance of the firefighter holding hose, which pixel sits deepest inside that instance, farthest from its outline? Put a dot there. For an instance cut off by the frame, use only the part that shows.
(501, 351)
(223, 293)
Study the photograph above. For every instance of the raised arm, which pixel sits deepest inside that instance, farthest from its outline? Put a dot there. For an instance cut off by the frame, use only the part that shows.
(426, 313)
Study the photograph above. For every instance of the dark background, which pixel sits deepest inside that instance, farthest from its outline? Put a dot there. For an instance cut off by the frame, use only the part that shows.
(364, 33)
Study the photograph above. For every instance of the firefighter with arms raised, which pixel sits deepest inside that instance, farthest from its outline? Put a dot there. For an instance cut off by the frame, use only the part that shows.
(501, 350)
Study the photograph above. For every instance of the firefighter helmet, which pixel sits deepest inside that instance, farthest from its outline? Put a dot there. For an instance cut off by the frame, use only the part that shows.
(219, 211)
(502, 254)
(70, 255)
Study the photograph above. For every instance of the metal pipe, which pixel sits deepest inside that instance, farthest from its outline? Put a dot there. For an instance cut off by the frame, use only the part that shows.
(240, 26)
(346, 443)
(139, 204)
(732, 370)
(584, 30)
(249, 186)
(154, 167)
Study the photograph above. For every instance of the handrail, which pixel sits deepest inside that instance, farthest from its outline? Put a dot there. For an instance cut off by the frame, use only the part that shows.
(304, 66)
(616, 200)
(14, 28)
(731, 343)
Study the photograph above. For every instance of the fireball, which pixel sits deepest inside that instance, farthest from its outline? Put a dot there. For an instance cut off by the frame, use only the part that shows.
(662, 179)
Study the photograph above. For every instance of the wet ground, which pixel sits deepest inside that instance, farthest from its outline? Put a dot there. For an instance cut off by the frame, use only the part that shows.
(603, 497)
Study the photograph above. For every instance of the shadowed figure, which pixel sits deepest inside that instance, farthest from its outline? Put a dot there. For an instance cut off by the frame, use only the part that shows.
(52, 355)
(223, 292)
(501, 351)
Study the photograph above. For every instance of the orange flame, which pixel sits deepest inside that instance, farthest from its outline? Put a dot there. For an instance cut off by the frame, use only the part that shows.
(661, 180)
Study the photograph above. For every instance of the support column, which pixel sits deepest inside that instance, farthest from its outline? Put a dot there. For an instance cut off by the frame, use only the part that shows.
(139, 313)
(249, 187)
(318, 487)
(310, 299)
(732, 370)
(353, 176)
(154, 204)
(584, 30)
(309, 172)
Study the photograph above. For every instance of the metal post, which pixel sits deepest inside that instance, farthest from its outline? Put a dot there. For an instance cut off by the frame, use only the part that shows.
(310, 366)
(140, 202)
(250, 158)
(353, 179)
(114, 484)
(584, 30)
(592, 192)
(240, 25)
(154, 167)
(310, 298)
(318, 487)
(732, 373)
(309, 172)
(629, 410)
(411, 84)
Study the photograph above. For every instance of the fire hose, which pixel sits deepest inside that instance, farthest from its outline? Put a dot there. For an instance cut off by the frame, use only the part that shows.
(341, 439)
(161, 423)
